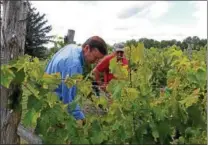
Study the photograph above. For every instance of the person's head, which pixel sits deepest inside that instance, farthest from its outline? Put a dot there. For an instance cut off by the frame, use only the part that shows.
(94, 49)
(119, 50)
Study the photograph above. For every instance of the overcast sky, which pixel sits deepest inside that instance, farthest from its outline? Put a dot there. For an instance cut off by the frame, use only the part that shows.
(123, 20)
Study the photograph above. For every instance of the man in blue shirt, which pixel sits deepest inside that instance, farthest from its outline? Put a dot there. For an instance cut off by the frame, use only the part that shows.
(70, 60)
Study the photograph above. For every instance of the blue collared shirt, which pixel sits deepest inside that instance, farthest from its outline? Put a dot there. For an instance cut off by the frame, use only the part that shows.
(68, 61)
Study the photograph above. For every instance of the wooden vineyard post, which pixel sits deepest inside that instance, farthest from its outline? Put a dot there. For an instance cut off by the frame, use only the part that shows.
(13, 31)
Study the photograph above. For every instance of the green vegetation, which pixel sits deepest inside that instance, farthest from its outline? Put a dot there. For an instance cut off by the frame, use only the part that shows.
(160, 101)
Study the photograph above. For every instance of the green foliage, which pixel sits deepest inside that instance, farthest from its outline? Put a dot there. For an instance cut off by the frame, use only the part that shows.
(6, 76)
(160, 101)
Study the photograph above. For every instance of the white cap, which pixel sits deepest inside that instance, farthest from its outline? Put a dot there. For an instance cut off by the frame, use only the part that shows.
(118, 47)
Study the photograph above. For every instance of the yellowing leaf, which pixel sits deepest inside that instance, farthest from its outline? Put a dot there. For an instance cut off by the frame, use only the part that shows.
(113, 64)
(125, 66)
(31, 88)
(77, 77)
(69, 82)
(51, 78)
(177, 53)
(135, 54)
(189, 101)
(103, 101)
(127, 52)
(52, 98)
(132, 93)
(140, 50)
(36, 60)
(84, 87)
(118, 70)
(196, 91)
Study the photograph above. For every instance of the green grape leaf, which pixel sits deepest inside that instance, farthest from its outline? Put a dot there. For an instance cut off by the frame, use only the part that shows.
(155, 134)
(164, 130)
(34, 103)
(54, 79)
(77, 77)
(56, 136)
(118, 70)
(127, 52)
(189, 132)
(181, 140)
(69, 82)
(189, 101)
(73, 105)
(115, 126)
(22, 62)
(19, 75)
(84, 87)
(201, 76)
(6, 76)
(62, 134)
(55, 115)
(110, 118)
(103, 101)
(36, 73)
(36, 60)
(31, 88)
(83, 141)
(145, 89)
(135, 54)
(122, 133)
(115, 87)
(52, 98)
(97, 138)
(70, 125)
(113, 64)
(192, 77)
(43, 124)
(73, 80)
(30, 118)
(117, 92)
(132, 93)
(177, 53)
(138, 55)
(96, 126)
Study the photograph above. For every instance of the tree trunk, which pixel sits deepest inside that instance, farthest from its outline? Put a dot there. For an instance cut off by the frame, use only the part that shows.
(13, 29)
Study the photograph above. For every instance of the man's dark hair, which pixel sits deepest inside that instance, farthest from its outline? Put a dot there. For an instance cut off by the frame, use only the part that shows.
(96, 42)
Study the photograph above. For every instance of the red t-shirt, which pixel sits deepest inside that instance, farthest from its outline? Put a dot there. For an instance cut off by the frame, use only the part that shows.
(103, 66)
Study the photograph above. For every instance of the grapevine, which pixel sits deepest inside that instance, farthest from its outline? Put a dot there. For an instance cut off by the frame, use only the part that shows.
(162, 101)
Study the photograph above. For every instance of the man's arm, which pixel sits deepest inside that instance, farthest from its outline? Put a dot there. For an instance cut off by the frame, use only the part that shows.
(100, 68)
(97, 76)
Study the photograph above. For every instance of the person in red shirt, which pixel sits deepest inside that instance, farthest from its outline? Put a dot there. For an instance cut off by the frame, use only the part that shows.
(103, 67)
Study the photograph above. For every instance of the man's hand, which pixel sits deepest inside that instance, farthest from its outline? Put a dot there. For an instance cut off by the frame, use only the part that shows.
(110, 101)
(103, 87)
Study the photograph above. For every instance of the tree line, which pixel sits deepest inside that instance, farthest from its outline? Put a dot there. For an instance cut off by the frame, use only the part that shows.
(195, 41)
